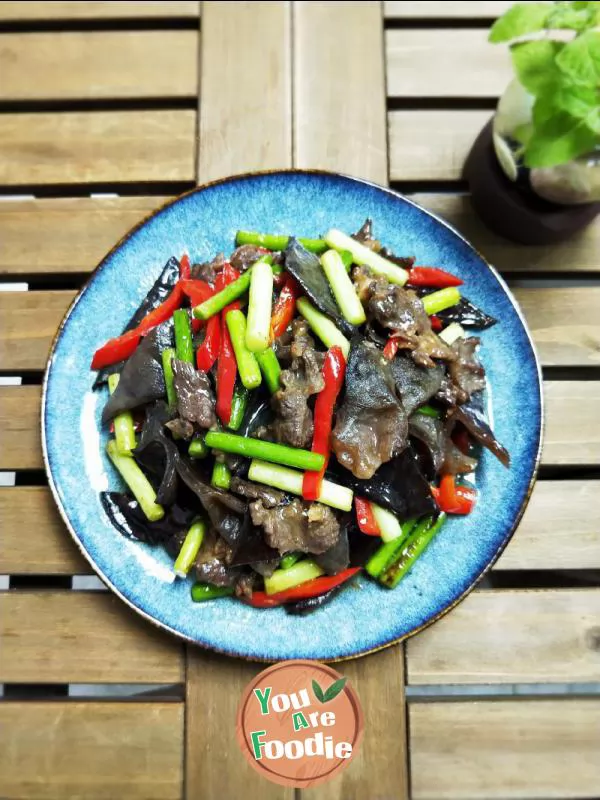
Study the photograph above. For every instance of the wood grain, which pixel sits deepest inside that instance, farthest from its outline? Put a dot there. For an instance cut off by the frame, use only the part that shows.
(339, 90)
(494, 750)
(378, 770)
(548, 636)
(562, 322)
(28, 324)
(91, 750)
(70, 234)
(432, 145)
(435, 9)
(570, 438)
(253, 39)
(113, 9)
(82, 637)
(559, 529)
(442, 63)
(215, 767)
(34, 538)
(98, 65)
(579, 253)
(245, 110)
(102, 146)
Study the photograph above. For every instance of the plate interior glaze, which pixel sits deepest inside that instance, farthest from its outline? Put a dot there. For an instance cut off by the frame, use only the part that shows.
(202, 223)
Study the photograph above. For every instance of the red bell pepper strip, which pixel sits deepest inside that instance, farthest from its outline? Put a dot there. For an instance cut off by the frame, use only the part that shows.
(285, 306)
(432, 276)
(391, 347)
(117, 349)
(303, 591)
(365, 518)
(226, 365)
(207, 353)
(334, 368)
(198, 291)
(436, 323)
(453, 499)
(185, 270)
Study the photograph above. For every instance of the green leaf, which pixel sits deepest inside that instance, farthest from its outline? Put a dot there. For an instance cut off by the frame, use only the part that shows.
(580, 59)
(568, 16)
(578, 101)
(335, 688)
(561, 138)
(519, 20)
(318, 692)
(535, 64)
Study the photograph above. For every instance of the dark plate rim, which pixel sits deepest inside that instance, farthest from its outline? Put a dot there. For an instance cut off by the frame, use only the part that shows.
(249, 176)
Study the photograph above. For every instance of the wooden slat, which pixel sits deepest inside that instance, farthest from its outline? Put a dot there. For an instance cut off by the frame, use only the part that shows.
(215, 767)
(563, 323)
(115, 64)
(559, 529)
(505, 749)
(253, 40)
(114, 9)
(331, 83)
(572, 428)
(432, 145)
(34, 539)
(92, 750)
(548, 636)
(82, 637)
(28, 323)
(435, 9)
(579, 253)
(65, 234)
(103, 146)
(442, 63)
(255, 86)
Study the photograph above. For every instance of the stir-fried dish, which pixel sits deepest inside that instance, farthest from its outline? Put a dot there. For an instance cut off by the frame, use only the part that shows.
(294, 414)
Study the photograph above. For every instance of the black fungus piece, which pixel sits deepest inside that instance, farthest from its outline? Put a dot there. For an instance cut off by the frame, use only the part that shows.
(128, 518)
(157, 453)
(416, 385)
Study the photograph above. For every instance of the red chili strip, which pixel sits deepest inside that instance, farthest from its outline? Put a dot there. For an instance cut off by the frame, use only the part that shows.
(303, 591)
(365, 518)
(453, 499)
(432, 276)
(285, 306)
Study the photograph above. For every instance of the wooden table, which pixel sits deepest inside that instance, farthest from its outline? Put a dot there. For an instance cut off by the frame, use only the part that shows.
(106, 109)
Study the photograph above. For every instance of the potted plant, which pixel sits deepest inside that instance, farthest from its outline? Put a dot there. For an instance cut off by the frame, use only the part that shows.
(534, 171)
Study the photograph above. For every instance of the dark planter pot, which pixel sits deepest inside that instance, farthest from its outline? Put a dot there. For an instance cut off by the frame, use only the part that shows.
(512, 209)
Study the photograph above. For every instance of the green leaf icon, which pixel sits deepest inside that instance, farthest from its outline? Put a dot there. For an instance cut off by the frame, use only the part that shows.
(335, 688)
(318, 692)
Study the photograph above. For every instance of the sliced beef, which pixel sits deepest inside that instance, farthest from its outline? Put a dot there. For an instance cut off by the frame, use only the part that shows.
(337, 557)
(416, 385)
(296, 525)
(245, 255)
(466, 371)
(180, 428)
(371, 425)
(293, 423)
(195, 397)
(472, 417)
(212, 563)
(400, 311)
(157, 295)
(307, 270)
(142, 378)
(364, 235)
(208, 271)
(254, 491)
(246, 584)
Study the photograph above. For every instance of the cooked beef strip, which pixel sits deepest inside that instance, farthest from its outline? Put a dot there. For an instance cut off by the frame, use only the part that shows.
(208, 271)
(212, 562)
(293, 423)
(180, 428)
(246, 584)
(296, 525)
(371, 425)
(364, 235)
(466, 371)
(401, 311)
(337, 557)
(245, 255)
(195, 397)
(254, 491)
(416, 385)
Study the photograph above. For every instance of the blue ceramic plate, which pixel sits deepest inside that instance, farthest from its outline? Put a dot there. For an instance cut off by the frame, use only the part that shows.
(203, 223)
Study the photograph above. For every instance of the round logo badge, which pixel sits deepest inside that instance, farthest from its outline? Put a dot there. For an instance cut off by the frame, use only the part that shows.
(299, 723)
